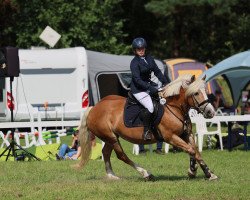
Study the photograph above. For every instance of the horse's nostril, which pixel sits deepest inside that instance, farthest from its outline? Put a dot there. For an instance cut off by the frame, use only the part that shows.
(209, 112)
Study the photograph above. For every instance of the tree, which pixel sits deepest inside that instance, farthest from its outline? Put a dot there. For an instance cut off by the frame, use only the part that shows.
(201, 29)
(89, 23)
(138, 22)
(7, 8)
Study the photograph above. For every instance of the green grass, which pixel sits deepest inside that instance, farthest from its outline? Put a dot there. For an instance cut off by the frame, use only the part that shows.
(56, 179)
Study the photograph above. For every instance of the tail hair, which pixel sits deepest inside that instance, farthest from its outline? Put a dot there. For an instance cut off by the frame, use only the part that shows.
(85, 140)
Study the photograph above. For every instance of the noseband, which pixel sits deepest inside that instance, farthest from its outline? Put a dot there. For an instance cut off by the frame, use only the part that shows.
(199, 105)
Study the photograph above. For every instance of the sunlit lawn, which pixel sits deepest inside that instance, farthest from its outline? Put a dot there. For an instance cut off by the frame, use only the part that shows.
(56, 179)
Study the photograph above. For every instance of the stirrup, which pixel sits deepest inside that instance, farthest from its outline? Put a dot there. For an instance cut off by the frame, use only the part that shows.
(147, 135)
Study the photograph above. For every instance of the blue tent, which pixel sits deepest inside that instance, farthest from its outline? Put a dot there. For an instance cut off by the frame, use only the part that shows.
(236, 70)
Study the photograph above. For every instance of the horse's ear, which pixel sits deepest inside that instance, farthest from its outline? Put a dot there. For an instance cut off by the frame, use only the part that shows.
(192, 78)
(204, 78)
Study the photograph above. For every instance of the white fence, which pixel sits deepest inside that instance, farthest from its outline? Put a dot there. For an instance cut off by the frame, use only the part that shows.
(35, 129)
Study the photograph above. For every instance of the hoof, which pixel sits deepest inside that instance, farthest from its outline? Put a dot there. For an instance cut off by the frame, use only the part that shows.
(112, 177)
(213, 177)
(191, 174)
(150, 178)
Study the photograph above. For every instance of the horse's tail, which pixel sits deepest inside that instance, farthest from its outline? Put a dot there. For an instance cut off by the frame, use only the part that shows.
(84, 138)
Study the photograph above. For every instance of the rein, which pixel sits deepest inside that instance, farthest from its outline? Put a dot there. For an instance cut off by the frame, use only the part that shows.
(185, 121)
(200, 107)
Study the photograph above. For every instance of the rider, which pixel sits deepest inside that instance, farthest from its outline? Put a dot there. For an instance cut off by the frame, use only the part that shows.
(141, 86)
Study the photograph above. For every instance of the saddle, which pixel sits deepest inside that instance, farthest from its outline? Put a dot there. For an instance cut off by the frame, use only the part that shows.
(133, 114)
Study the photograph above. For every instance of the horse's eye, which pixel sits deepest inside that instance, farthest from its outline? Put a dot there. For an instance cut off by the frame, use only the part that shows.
(196, 94)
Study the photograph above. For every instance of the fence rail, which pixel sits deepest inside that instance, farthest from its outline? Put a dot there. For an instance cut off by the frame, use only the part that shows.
(33, 134)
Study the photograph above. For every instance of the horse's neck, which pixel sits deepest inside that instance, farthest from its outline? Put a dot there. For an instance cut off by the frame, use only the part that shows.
(175, 101)
(179, 103)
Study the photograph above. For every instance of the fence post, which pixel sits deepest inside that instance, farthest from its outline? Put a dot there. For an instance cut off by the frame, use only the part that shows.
(40, 131)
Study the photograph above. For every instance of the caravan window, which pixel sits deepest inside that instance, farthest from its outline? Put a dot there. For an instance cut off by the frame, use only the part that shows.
(2, 87)
(112, 84)
(1, 95)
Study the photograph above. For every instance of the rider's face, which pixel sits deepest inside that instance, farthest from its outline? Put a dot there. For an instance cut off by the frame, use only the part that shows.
(140, 52)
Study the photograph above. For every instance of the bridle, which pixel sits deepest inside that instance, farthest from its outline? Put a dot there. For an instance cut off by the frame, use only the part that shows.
(200, 106)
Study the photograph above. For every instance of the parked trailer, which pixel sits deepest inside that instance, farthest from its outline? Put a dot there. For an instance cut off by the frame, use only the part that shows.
(52, 82)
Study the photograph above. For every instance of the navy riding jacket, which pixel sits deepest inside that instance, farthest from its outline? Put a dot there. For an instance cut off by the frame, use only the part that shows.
(141, 75)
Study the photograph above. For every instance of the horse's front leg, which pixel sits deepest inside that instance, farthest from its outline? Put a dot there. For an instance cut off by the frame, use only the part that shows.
(192, 170)
(191, 149)
(197, 157)
(187, 136)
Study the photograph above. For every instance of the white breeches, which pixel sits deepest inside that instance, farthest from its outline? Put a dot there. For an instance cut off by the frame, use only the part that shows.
(145, 99)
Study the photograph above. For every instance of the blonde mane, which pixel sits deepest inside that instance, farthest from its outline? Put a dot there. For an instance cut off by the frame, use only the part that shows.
(184, 81)
(195, 86)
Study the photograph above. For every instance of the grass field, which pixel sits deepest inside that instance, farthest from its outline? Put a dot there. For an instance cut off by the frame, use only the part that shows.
(56, 179)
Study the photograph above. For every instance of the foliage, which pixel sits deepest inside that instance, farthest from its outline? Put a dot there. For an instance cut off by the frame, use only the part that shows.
(7, 9)
(225, 91)
(201, 29)
(138, 22)
(206, 30)
(90, 23)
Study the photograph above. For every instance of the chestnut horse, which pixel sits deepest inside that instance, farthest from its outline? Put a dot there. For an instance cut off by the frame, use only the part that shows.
(105, 120)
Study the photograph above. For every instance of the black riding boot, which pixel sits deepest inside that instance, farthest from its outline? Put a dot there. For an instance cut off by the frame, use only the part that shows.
(147, 125)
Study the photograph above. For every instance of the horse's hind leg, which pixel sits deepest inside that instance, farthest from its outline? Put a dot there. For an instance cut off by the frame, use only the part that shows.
(106, 152)
(122, 156)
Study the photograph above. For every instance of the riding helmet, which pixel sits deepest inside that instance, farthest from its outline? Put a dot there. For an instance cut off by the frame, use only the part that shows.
(139, 43)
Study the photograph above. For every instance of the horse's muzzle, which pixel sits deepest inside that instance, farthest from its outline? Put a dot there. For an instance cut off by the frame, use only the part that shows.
(209, 113)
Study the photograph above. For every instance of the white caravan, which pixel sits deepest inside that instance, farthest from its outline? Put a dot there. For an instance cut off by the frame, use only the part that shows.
(52, 82)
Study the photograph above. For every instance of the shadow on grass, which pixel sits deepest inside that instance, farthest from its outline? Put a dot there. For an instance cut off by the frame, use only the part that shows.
(176, 178)
(141, 179)
(164, 178)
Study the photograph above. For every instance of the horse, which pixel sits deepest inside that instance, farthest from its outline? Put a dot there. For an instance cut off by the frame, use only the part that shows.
(105, 120)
